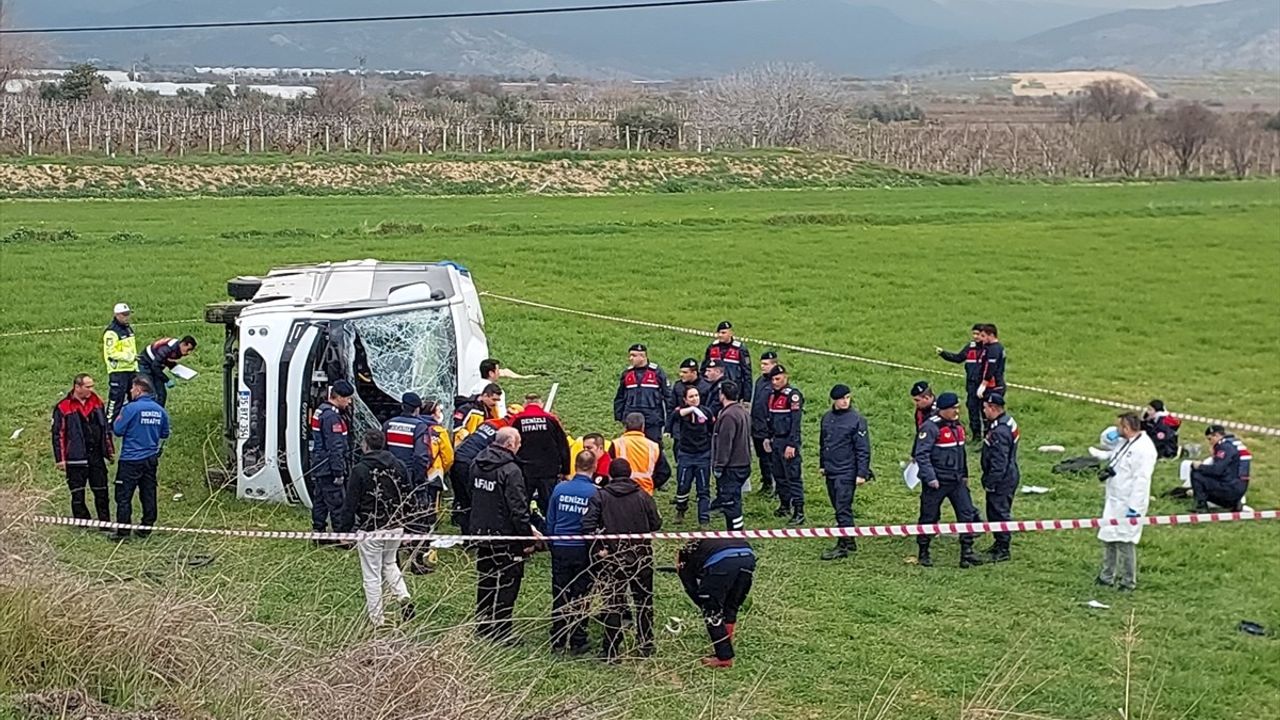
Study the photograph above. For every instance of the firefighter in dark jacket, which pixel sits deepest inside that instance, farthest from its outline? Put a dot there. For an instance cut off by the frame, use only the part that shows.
(717, 574)
(120, 351)
(845, 461)
(786, 411)
(643, 389)
(1221, 482)
(733, 355)
(1000, 475)
(499, 506)
(82, 447)
(328, 454)
(760, 421)
(544, 451)
(971, 356)
(625, 567)
(162, 355)
(944, 475)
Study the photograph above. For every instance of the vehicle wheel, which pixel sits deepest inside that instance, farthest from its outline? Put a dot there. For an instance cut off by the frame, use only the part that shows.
(223, 313)
(243, 288)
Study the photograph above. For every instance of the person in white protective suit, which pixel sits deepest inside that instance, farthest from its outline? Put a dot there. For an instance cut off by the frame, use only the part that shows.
(1127, 482)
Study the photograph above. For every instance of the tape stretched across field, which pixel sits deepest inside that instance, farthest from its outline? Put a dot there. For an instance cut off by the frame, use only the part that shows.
(763, 534)
(1248, 427)
(1234, 425)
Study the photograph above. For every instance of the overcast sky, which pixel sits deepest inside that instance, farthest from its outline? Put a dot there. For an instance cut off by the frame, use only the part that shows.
(1124, 4)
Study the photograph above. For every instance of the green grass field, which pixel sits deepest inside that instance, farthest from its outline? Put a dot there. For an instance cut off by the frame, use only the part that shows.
(1127, 292)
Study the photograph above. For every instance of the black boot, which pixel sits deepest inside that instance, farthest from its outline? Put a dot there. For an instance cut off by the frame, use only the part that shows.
(922, 557)
(797, 519)
(782, 511)
(998, 553)
(843, 547)
(969, 558)
(1201, 508)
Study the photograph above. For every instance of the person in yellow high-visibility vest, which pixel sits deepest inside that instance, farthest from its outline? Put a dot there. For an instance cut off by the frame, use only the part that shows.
(120, 352)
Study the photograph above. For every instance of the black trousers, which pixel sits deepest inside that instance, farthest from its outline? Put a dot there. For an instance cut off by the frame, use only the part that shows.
(155, 373)
(460, 481)
(139, 475)
(729, 482)
(627, 576)
(766, 463)
(1000, 509)
(499, 572)
(974, 405)
(787, 479)
(118, 384)
(93, 475)
(931, 509)
(570, 596)
(1212, 490)
(721, 592)
(840, 490)
(327, 494)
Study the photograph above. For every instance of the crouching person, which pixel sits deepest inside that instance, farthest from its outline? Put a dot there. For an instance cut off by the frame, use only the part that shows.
(375, 502)
(625, 566)
(717, 575)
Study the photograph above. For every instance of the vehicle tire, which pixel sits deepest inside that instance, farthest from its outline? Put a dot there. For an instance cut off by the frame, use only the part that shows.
(243, 288)
(223, 313)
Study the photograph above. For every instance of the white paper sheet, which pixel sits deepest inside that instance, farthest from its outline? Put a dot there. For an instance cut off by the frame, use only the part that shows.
(911, 475)
(182, 372)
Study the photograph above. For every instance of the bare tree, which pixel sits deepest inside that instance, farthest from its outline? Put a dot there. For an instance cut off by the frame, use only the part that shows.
(1130, 143)
(337, 95)
(1239, 138)
(1184, 129)
(1111, 100)
(17, 52)
(778, 105)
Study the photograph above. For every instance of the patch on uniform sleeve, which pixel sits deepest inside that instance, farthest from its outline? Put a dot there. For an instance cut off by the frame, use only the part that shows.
(795, 402)
(924, 435)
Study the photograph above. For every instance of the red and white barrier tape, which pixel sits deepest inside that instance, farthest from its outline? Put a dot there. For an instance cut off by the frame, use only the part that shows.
(1248, 427)
(979, 528)
(54, 331)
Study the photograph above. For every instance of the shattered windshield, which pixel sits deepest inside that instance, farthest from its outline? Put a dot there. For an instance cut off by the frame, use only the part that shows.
(398, 353)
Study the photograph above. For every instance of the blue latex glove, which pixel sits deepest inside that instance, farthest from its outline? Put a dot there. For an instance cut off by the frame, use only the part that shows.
(170, 383)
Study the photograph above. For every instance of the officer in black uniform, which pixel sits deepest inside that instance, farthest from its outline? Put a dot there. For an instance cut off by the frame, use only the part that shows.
(972, 357)
(786, 410)
(1000, 473)
(329, 450)
(944, 475)
(689, 377)
(760, 421)
(643, 389)
(717, 575)
(734, 356)
(991, 375)
(713, 376)
(844, 459)
(1221, 482)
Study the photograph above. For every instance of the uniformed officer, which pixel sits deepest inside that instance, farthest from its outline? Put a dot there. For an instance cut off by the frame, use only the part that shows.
(689, 377)
(1223, 481)
(714, 375)
(971, 356)
(735, 357)
(923, 399)
(408, 437)
(1000, 473)
(760, 421)
(643, 389)
(329, 449)
(844, 459)
(786, 410)
(944, 475)
(120, 351)
(991, 375)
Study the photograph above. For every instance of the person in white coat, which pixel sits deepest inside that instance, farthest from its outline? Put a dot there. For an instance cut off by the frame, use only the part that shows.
(1127, 478)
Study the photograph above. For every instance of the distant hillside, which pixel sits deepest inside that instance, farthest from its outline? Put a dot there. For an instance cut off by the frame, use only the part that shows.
(847, 37)
(1234, 35)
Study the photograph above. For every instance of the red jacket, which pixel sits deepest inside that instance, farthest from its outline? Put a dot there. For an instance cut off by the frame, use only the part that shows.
(75, 424)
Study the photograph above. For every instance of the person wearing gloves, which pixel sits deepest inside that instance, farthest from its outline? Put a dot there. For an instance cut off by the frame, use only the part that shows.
(1224, 480)
(844, 460)
(375, 503)
(695, 421)
(1126, 480)
(717, 574)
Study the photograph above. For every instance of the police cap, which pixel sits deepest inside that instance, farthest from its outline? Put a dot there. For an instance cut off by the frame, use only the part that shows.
(948, 400)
